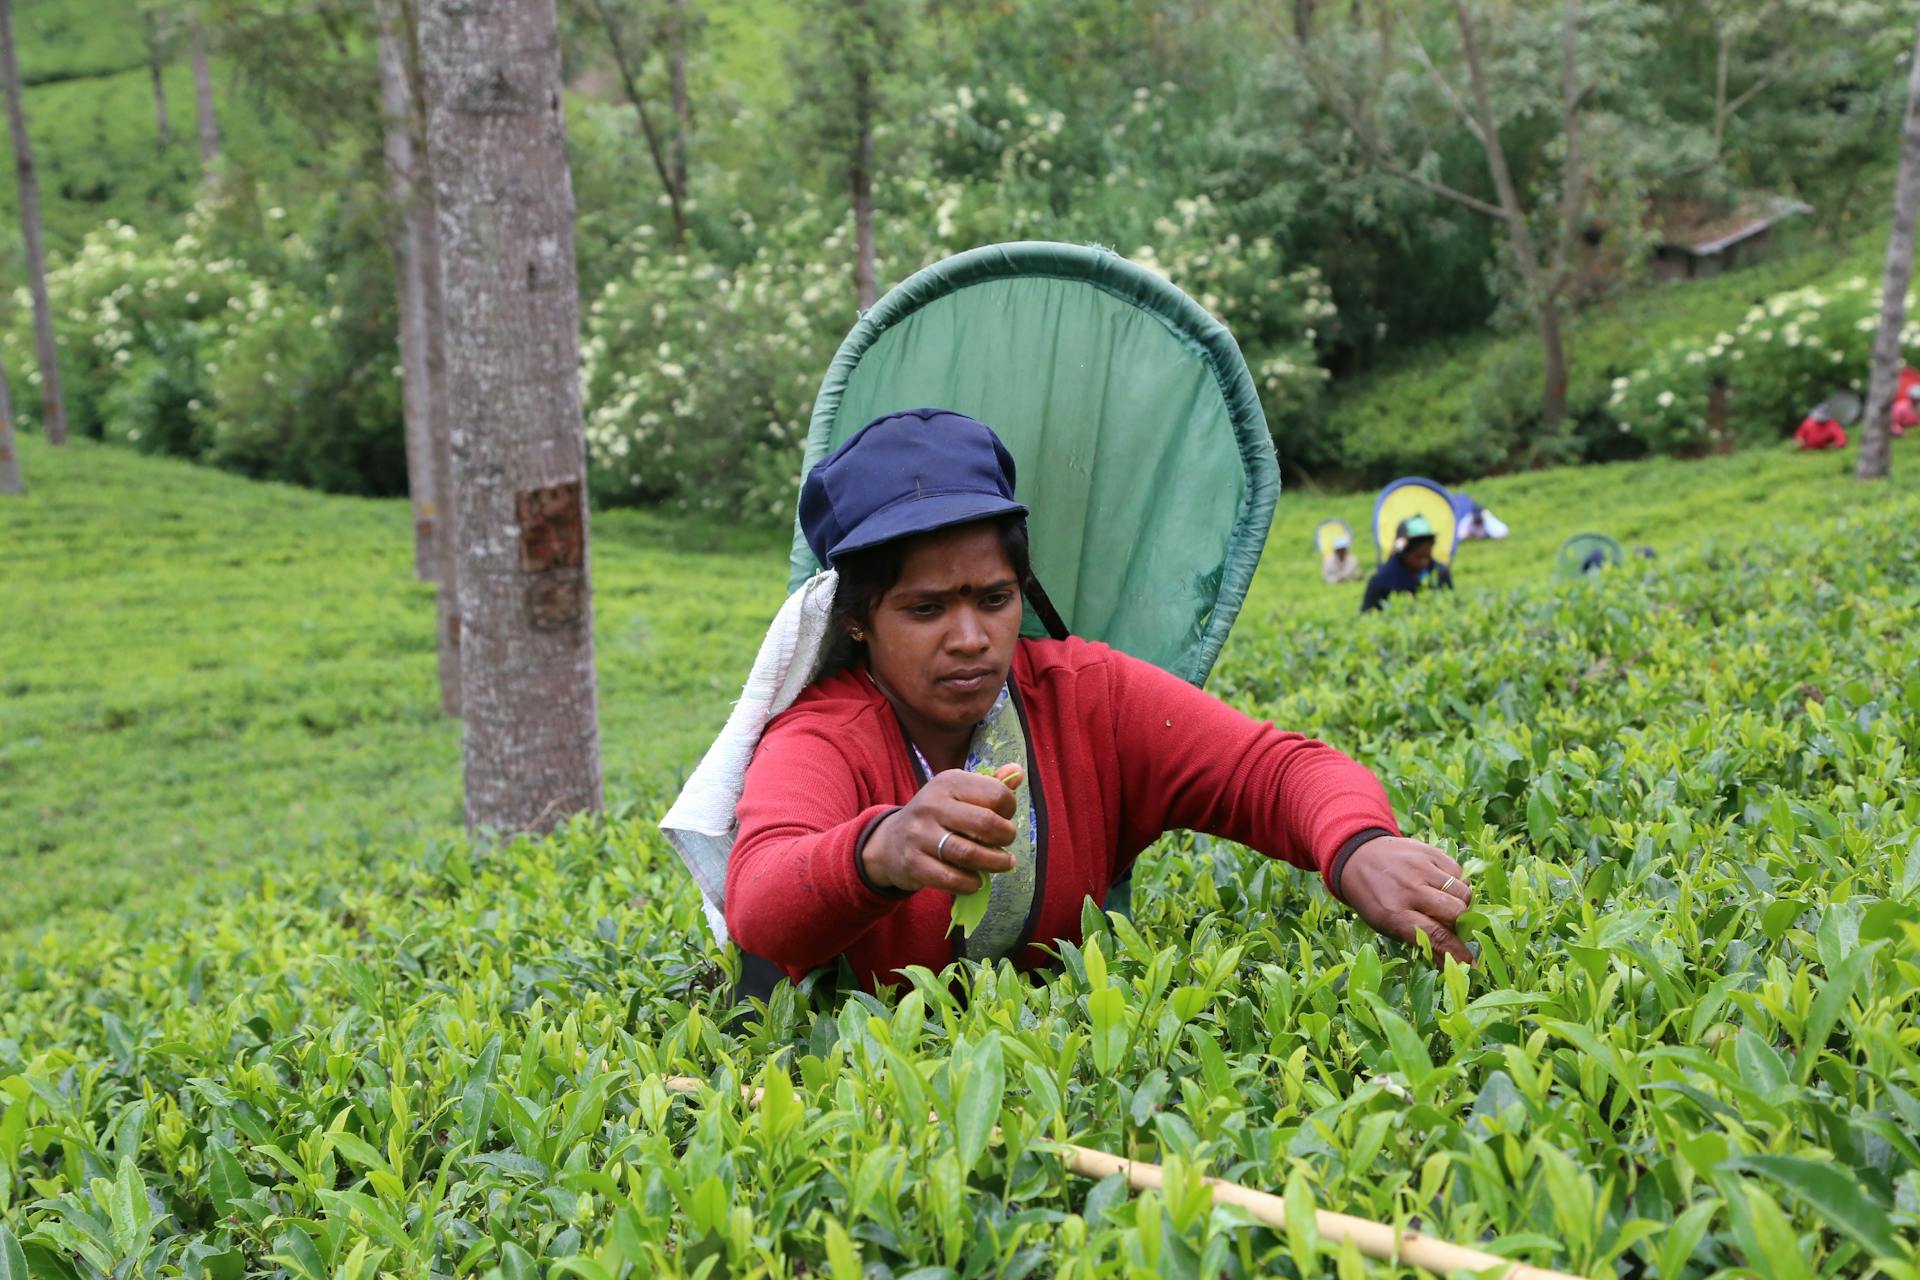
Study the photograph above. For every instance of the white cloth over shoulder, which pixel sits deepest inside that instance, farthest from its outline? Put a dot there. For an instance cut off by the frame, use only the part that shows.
(702, 824)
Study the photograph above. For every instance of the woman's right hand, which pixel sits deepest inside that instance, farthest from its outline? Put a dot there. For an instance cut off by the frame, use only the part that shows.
(904, 851)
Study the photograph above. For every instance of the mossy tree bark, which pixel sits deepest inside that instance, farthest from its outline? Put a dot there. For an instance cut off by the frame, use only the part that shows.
(677, 89)
(156, 73)
(496, 135)
(415, 246)
(10, 481)
(404, 182)
(1876, 442)
(53, 403)
(208, 120)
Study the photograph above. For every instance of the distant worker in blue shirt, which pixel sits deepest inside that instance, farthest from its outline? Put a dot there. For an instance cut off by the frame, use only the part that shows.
(1410, 567)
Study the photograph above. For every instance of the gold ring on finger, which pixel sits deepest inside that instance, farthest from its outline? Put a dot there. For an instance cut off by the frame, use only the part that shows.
(1448, 886)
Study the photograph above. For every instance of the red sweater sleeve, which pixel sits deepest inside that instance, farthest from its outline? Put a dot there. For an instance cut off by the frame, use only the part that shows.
(794, 892)
(1188, 760)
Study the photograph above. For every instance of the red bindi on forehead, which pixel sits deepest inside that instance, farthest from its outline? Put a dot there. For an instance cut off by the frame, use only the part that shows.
(964, 590)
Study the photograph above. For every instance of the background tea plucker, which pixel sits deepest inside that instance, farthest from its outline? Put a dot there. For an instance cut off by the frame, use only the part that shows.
(1410, 568)
(862, 814)
(1340, 564)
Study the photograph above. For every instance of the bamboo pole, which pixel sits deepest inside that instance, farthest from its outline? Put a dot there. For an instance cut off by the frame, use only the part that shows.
(1376, 1240)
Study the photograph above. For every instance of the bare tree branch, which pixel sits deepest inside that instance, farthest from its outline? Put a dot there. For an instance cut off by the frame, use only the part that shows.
(1489, 134)
(1446, 88)
(1326, 86)
(1441, 189)
(1766, 80)
(631, 84)
(1723, 110)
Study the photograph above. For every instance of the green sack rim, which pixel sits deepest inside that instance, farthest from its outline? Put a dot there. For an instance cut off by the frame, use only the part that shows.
(1191, 325)
(1566, 561)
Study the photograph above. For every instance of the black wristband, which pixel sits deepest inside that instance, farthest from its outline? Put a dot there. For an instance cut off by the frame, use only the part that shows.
(1347, 850)
(860, 863)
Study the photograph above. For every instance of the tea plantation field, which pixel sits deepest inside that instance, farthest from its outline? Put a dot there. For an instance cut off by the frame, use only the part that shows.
(1684, 790)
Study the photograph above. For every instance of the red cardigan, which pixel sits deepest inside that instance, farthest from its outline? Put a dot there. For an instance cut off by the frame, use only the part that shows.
(1121, 751)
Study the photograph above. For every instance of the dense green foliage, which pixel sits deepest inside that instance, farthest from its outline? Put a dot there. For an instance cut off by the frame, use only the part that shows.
(1474, 407)
(1187, 137)
(249, 341)
(1688, 1044)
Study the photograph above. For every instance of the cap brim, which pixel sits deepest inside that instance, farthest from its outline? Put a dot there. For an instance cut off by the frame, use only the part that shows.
(922, 515)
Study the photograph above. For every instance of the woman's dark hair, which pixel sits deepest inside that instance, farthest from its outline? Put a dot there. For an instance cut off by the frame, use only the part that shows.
(867, 575)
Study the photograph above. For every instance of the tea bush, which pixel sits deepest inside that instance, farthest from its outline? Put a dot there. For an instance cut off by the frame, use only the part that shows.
(1687, 1048)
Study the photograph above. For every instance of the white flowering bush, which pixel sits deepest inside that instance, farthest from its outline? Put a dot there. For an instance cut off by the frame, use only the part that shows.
(1277, 313)
(1786, 355)
(700, 368)
(246, 350)
(1664, 405)
(699, 377)
(130, 313)
(1799, 347)
(299, 389)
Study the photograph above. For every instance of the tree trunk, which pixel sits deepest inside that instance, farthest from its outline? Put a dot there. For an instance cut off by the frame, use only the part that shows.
(860, 186)
(497, 138)
(162, 122)
(203, 94)
(1553, 392)
(53, 404)
(1303, 19)
(424, 355)
(1553, 353)
(10, 481)
(1876, 444)
(446, 546)
(396, 112)
(425, 239)
(677, 87)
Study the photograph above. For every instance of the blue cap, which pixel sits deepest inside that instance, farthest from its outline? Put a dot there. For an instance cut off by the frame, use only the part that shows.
(905, 473)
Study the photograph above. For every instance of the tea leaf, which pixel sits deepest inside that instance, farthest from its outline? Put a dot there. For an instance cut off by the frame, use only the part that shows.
(1834, 1195)
(969, 909)
(13, 1259)
(978, 1107)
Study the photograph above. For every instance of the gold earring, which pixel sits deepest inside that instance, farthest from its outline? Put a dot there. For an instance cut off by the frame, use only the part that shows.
(858, 634)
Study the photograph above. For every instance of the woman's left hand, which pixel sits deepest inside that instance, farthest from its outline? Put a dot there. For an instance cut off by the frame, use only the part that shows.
(1404, 888)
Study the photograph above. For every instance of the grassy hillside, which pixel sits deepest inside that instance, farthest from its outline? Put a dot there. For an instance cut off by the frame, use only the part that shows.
(99, 158)
(1686, 1051)
(72, 39)
(207, 674)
